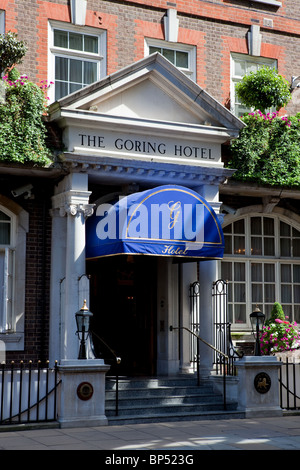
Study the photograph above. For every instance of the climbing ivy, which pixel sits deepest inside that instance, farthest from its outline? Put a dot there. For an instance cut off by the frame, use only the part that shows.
(22, 107)
(267, 150)
(22, 130)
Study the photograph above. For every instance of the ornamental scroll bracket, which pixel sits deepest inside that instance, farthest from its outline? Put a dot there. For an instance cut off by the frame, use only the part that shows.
(74, 209)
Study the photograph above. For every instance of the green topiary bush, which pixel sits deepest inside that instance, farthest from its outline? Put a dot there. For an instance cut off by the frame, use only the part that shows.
(276, 313)
(12, 51)
(264, 89)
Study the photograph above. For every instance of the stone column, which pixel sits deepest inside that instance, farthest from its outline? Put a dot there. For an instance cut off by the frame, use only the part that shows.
(68, 261)
(75, 267)
(207, 275)
(58, 265)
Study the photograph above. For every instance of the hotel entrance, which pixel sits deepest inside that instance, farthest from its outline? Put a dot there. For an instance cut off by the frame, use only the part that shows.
(134, 248)
(123, 302)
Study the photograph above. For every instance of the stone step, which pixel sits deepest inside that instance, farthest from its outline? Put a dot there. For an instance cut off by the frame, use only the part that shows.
(152, 383)
(164, 399)
(146, 396)
(176, 401)
(179, 416)
(161, 392)
(166, 407)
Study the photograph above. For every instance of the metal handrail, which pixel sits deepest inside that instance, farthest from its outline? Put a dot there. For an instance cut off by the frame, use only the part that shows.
(118, 362)
(201, 339)
(212, 347)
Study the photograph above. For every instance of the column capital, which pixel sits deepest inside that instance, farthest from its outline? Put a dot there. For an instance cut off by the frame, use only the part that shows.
(73, 209)
(72, 203)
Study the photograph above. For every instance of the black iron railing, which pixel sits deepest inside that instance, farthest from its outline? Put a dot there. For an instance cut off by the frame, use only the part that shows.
(222, 328)
(114, 360)
(224, 359)
(289, 384)
(28, 394)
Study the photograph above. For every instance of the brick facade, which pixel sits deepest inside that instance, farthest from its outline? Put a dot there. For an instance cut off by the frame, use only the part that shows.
(38, 253)
(216, 27)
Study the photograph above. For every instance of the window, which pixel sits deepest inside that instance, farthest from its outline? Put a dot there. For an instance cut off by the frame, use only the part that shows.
(181, 55)
(262, 265)
(76, 58)
(2, 22)
(242, 65)
(6, 274)
(13, 229)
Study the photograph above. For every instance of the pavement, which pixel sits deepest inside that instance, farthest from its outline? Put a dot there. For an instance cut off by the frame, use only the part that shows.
(149, 442)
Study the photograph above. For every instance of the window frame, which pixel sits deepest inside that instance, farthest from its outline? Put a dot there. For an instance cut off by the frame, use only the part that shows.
(7, 317)
(12, 338)
(2, 22)
(273, 3)
(56, 51)
(234, 57)
(249, 260)
(190, 49)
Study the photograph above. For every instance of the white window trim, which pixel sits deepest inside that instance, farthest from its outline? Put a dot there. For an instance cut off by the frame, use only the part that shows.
(247, 259)
(7, 320)
(14, 339)
(273, 3)
(53, 51)
(2, 22)
(191, 50)
(233, 79)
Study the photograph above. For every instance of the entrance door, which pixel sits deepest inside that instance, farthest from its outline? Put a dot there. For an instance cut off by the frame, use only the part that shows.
(123, 302)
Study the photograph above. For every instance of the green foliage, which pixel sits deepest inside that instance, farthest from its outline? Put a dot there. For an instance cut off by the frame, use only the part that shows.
(12, 51)
(264, 89)
(276, 313)
(267, 150)
(22, 131)
(279, 334)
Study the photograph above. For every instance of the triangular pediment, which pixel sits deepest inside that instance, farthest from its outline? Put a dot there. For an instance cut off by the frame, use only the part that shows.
(151, 90)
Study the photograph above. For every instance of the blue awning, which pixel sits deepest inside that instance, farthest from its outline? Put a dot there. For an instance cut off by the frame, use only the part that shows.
(166, 221)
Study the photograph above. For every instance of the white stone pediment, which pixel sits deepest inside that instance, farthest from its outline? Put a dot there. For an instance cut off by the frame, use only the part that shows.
(151, 90)
(146, 100)
(148, 121)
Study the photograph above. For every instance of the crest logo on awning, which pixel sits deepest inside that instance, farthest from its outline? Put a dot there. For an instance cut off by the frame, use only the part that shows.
(168, 220)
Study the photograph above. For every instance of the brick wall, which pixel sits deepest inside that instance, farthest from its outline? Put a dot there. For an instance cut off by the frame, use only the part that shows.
(216, 28)
(38, 253)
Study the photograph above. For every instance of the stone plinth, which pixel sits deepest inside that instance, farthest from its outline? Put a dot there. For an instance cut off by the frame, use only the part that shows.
(82, 393)
(258, 392)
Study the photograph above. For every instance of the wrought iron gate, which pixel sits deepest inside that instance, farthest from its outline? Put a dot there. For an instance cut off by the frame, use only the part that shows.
(222, 328)
(195, 320)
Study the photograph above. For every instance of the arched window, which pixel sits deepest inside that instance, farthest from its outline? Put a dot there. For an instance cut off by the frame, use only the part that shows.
(262, 265)
(14, 224)
(7, 271)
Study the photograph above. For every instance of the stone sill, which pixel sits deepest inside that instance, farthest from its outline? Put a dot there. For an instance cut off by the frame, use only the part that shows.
(273, 3)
